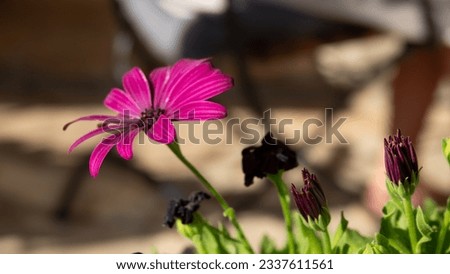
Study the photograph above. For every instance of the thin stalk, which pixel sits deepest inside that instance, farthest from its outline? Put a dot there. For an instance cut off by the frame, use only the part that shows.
(285, 201)
(407, 206)
(443, 232)
(228, 211)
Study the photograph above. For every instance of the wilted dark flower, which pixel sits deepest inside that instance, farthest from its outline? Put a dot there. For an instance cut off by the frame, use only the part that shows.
(184, 209)
(311, 199)
(400, 159)
(269, 158)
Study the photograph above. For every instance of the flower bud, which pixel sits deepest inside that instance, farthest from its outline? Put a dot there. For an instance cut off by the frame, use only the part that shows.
(400, 160)
(310, 200)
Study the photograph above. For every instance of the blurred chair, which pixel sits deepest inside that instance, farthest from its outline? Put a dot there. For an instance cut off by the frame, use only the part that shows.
(168, 30)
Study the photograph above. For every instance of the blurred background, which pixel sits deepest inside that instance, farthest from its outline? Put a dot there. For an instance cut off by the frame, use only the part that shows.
(59, 59)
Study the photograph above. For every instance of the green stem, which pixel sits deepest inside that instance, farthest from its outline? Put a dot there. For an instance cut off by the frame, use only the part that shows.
(326, 242)
(443, 232)
(407, 206)
(228, 211)
(285, 201)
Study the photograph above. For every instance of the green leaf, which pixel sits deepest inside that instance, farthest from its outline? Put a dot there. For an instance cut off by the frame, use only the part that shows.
(223, 242)
(446, 148)
(447, 251)
(432, 211)
(393, 245)
(425, 230)
(395, 192)
(394, 228)
(230, 245)
(348, 241)
(369, 249)
(393, 217)
(351, 242)
(209, 239)
(342, 227)
(306, 238)
(197, 242)
(383, 245)
(380, 245)
(268, 246)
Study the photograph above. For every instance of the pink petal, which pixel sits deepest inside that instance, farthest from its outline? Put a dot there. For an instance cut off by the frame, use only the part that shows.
(160, 77)
(187, 80)
(162, 130)
(125, 145)
(93, 133)
(122, 103)
(83, 138)
(136, 84)
(200, 110)
(97, 157)
(89, 118)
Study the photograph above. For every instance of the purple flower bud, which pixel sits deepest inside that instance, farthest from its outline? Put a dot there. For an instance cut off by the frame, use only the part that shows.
(400, 159)
(310, 200)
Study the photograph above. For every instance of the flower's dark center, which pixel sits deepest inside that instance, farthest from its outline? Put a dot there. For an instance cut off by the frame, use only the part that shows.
(127, 123)
(149, 117)
(151, 113)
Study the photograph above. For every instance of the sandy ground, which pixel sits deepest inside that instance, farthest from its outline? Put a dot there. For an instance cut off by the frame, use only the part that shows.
(59, 68)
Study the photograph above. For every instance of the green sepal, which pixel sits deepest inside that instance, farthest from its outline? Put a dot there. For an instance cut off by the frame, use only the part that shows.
(402, 190)
(322, 222)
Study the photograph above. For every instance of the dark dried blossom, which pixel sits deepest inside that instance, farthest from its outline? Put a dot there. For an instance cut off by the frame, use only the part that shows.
(269, 158)
(400, 159)
(310, 200)
(184, 209)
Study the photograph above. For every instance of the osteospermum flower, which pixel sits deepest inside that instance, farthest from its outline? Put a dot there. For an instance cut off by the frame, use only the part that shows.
(400, 159)
(178, 92)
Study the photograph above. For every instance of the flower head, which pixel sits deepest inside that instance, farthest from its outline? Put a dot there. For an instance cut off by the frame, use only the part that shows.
(178, 92)
(184, 209)
(269, 158)
(400, 159)
(311, 200)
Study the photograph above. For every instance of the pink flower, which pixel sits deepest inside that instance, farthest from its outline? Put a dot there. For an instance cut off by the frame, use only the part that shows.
(179, 92)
